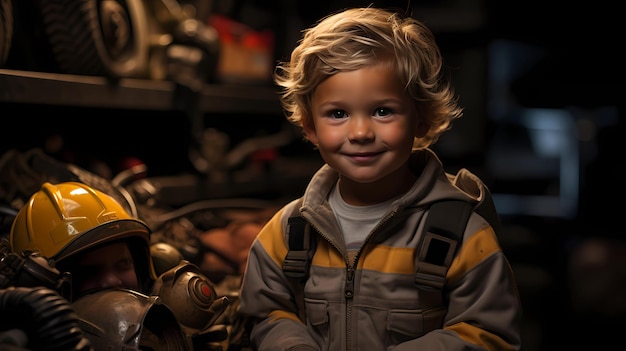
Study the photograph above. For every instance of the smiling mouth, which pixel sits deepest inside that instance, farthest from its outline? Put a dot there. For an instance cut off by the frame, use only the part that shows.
(364, 157)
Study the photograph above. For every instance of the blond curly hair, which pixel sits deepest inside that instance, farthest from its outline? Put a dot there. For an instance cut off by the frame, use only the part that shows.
(360, 37)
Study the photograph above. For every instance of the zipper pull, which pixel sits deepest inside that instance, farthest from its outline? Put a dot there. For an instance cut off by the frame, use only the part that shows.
(349, 290)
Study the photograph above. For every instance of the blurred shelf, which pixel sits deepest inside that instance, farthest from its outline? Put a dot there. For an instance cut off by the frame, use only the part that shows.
(128, 93)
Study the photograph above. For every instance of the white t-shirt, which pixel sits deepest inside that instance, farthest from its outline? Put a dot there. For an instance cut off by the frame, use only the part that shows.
(356, 222)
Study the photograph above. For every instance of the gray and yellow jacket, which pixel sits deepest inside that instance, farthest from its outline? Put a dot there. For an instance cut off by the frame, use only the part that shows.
(385, 311)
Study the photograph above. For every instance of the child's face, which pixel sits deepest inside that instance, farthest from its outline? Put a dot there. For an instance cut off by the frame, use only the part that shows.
(364, 124)
(109, 266)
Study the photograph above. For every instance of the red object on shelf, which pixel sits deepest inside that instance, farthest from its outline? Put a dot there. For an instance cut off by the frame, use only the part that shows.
(245, 53)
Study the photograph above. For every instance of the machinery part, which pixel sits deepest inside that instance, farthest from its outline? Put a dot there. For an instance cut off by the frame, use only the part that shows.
(165, 257)
(62, 220)
(189, 50)
(6, 29)
(120, 319)
(28, 269)
(190, 295)
(98, 37)
(48, 320)
(22, 173)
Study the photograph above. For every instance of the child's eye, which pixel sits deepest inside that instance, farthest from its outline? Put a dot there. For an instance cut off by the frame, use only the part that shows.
(382, 112)
(338, 114)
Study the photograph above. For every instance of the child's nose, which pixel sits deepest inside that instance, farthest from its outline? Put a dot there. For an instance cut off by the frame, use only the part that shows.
(361, 129)
(111, 280)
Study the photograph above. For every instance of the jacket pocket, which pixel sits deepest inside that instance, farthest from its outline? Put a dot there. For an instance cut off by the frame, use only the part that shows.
(316, 312)
(318, 321)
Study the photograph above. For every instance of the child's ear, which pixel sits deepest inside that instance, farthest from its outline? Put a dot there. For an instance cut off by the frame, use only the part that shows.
(308, 129)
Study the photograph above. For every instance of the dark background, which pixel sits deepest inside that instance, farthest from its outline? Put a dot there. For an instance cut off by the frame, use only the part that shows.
(558, 61)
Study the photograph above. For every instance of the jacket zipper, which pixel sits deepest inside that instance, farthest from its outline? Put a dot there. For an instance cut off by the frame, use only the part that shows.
(350, 271)
(348, 293)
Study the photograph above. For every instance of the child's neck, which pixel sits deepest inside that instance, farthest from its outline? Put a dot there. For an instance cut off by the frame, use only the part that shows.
(365, 194)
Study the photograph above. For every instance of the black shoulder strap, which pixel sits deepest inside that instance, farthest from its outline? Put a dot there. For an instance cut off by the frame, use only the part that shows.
(302, 245)
(444, 227)
(443, 230)
(301, 248)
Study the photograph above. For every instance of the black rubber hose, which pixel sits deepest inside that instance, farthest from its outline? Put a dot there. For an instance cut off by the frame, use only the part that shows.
(46, 317)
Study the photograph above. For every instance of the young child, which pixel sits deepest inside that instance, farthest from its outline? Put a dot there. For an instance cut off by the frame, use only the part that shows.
(367, 88)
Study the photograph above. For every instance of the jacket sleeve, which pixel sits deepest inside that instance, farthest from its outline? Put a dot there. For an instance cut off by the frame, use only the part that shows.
(266, 295)
(484, 306)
